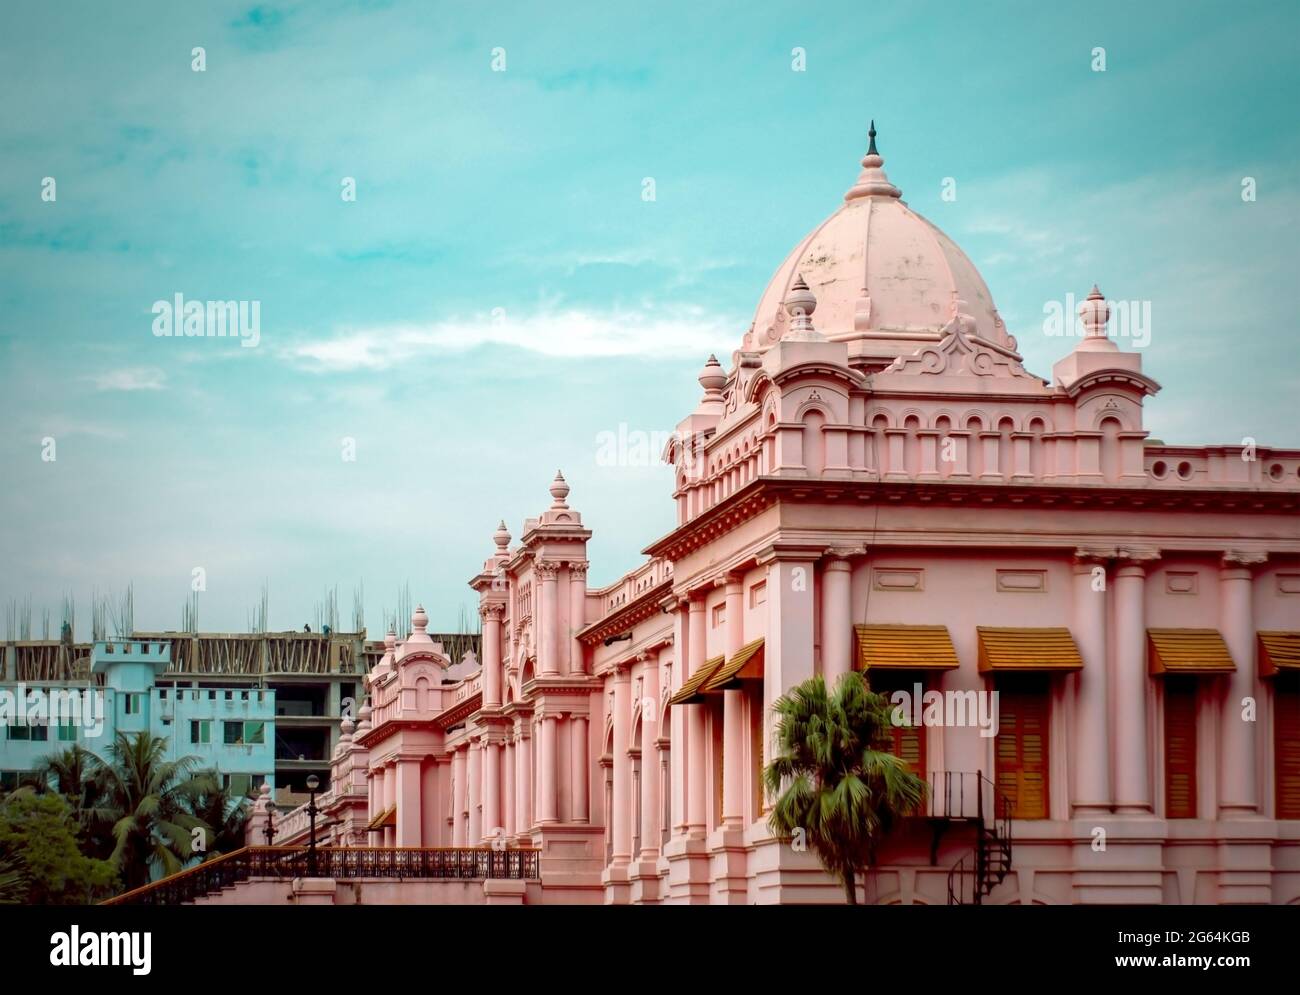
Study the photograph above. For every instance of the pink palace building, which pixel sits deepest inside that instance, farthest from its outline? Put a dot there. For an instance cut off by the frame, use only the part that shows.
(876, 482)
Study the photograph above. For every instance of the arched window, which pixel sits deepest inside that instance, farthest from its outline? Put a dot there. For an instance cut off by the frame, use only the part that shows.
(1110, 454)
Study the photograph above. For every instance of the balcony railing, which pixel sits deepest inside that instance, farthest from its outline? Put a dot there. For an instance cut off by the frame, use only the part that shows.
(441, 863)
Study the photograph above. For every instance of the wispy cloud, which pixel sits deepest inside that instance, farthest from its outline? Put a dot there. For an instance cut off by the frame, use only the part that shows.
(571, 334)
(129, 379)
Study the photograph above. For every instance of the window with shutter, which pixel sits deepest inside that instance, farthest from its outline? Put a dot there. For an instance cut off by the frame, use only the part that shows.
(1286, 732)
(1022, 746)
(1180, 748)
(905, 741)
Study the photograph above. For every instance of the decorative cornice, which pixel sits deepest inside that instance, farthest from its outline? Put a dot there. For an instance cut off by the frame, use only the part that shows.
(744, 504)
(546, 570)
(1243, 558)
(645, 605)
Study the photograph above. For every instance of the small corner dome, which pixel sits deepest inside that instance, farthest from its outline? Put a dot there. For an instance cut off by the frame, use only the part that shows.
(877, 268)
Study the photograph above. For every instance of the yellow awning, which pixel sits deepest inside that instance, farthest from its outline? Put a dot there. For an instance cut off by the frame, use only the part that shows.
(386, 818)
(905, 647)
(1188, 651)
(746, 665)
(1027, 650)
(1278, 651)
(693, 683)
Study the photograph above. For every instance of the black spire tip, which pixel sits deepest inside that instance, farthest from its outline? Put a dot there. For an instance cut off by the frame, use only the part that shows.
(871, 148)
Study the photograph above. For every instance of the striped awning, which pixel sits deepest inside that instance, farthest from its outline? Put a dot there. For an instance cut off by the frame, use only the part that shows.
(905, 647)
(746, 665)
(1027, 650)
(1278, 651)
(691, 688)
(1188, 651)
(386, 818)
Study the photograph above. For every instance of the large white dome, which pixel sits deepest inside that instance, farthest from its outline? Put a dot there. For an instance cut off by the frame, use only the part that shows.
(881, 273)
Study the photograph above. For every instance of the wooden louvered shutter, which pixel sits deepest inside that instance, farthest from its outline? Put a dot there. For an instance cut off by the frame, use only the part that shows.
(905, 741)
(1022, 750)
(1286, 759)
(1180, 748)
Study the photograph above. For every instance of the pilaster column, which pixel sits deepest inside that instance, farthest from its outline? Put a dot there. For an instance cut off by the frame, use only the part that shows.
(491, 787)
(696, 752)
(733, 757)
(390, 799)
(547, 658)
(682, 661)
(1132, 756)
(1238, 782)
(510, 819)
(650, 773)
(491, 615)
(734, 633)
(459, 797)
(733, 704)
(577, 614)
(523, 779)
(410, 806)
(1092, 754)
(580, 776)
(622, 814)
(546, 804)
(836, 619)
(475, 781)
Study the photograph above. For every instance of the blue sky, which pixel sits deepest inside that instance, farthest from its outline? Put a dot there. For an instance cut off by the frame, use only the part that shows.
(499, 293)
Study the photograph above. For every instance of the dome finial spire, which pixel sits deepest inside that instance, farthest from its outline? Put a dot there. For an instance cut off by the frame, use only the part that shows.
(872, 181)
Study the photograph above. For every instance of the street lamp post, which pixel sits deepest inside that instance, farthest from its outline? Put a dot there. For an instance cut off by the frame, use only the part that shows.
(269, 831)
(313, 782)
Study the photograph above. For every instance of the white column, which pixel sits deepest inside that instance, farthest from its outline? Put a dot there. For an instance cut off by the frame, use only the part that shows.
(474, 779)
(459, 797)
(548, 662)
(836, 620)
(577, 614)
(650, 772)
(580, 776)
(1238, 778)
(1092, 760)
(1132, 763)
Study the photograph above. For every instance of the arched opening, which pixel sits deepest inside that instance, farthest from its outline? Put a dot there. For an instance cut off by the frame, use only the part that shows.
(1037, 428)
(814, 443)
(912, 445)
(975, 446)
(1110, 454)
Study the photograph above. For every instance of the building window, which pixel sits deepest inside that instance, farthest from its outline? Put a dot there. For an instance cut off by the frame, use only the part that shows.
(1180, 748)
(200, 730)
(1286, 745)
(719, 615)
(67, 732)
(758, 594)
(131, 704)
(244, 733)
(905, 740)
(1022, 772)
(33, 734)
(239, 784)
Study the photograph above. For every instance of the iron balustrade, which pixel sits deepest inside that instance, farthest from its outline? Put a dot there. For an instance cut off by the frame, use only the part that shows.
(288, 862)
(970, 796)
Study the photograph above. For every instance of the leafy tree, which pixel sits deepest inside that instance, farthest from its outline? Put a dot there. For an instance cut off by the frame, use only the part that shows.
(150, 802)
(38, 843)
(832, 783)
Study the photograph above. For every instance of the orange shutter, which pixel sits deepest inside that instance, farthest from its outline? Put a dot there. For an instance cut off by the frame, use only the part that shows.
(1022, 750)
(1180, 748)
(1286, 729)
(906, 741)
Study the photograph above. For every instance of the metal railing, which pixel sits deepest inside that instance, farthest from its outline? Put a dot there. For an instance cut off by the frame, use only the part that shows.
(436, 863)
(980, 871)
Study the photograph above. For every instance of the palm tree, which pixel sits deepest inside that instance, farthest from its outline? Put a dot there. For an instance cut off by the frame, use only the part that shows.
(150, 802)
(72, 772)
(834, 787)
(223, 813)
